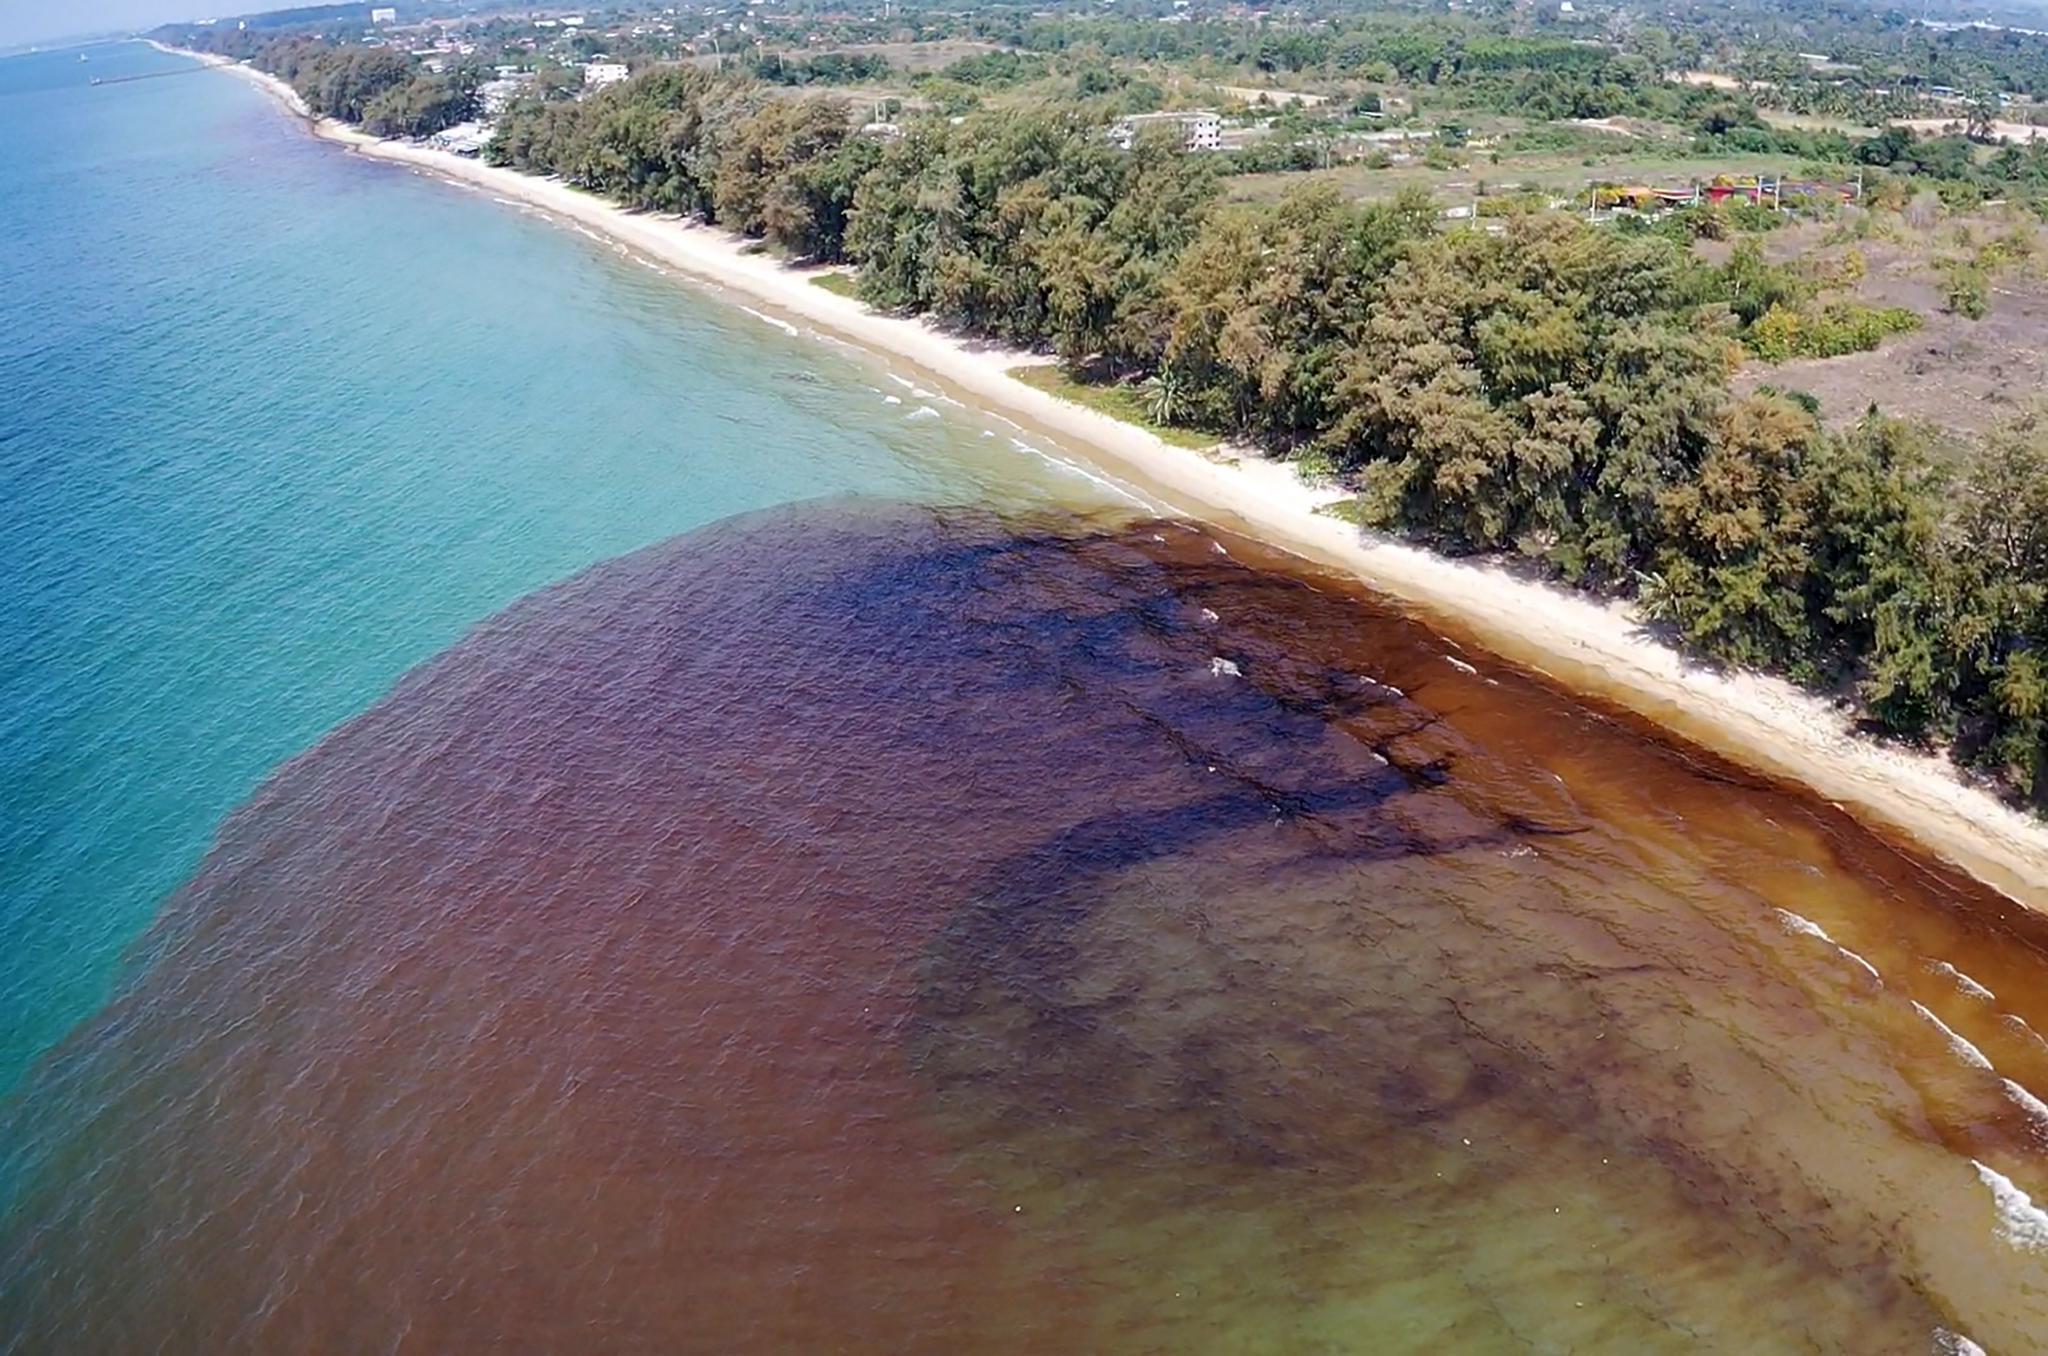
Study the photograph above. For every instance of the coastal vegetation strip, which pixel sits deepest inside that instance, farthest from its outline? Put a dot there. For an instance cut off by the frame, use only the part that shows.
(1540, 388)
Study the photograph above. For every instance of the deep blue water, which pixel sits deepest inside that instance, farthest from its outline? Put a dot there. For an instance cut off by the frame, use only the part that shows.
(278, 423)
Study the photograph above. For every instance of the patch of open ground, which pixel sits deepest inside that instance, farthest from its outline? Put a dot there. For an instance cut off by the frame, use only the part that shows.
(1561, 174)
(1277, 98)
(916, 58)
(1956, 374)
(1119, 400)
(2019, 132)
(1708, 80)
(1808, 122)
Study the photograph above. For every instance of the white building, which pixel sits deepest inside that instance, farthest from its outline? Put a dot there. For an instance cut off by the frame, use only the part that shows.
(598, 74)
(1200, 129)
(465, 138)
(383, 16)
(497, 95)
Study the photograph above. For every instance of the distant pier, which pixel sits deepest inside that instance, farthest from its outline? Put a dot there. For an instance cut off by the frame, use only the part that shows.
(147, 75)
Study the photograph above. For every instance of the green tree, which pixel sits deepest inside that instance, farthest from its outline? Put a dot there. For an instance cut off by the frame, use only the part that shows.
(1735, 561)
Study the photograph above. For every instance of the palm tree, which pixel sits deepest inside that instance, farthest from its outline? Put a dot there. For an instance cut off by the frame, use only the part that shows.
(1983, 121)
(1166, 397)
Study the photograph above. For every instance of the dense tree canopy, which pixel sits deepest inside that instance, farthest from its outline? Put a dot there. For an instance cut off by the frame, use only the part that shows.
(379, 87)
(1535, 385)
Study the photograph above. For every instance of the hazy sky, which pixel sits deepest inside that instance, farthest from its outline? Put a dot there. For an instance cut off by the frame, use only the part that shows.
(38, 20)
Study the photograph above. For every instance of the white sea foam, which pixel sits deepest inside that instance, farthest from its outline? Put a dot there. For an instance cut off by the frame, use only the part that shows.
(1806, 927)
(1962, 981)
(892, 400)
(1459, 664)
(1948, 1343)
(614, 246)
(2018, 1026)
(905, 382)
(1965, 1051)
(2020, 1222)
(922, 412)
(2031, 1104)
(782, 325)
(1075, 469)
(1209, 614)
(1224, 668)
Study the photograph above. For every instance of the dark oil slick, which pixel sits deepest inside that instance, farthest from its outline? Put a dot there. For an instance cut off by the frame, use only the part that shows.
(872, 929)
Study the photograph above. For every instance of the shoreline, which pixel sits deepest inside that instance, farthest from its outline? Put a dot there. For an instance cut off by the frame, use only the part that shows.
(1591, 647)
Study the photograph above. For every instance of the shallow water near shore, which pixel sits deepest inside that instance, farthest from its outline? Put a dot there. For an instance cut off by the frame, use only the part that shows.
(955, 913)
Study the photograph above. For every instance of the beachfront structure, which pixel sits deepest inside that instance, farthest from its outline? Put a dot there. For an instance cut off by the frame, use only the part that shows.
(1201, 129)
(464, 138)
(598, 74)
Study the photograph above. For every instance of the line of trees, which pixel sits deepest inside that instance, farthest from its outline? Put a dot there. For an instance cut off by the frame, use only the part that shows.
(1553, 390)
(383, 89)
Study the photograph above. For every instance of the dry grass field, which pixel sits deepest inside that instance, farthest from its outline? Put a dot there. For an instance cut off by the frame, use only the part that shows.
(1954, 373)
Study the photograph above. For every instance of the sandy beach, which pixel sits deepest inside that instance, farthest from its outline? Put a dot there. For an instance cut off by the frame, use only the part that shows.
(1590, 647)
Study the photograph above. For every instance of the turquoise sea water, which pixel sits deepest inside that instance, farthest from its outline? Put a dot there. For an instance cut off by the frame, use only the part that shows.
(277, 423)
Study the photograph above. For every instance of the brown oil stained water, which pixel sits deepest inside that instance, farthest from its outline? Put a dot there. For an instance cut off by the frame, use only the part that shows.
(871, 929)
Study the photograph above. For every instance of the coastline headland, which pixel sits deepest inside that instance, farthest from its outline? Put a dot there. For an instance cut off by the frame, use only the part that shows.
(1596, 649)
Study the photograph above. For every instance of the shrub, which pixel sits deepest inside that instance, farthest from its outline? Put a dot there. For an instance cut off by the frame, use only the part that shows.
(1966, 289)
(1778, 334)
(1840, 327)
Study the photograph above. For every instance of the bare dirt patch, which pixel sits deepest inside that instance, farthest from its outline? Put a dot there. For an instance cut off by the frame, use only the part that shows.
(1961, 375)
